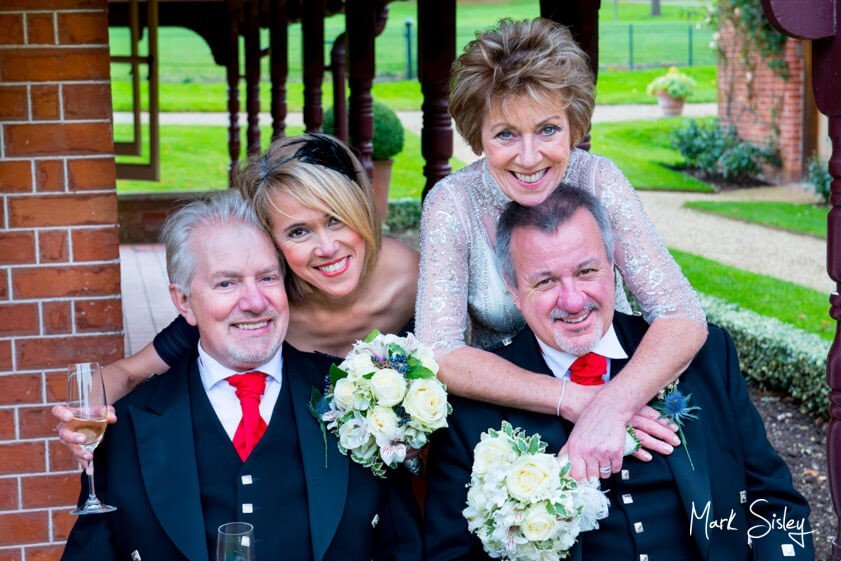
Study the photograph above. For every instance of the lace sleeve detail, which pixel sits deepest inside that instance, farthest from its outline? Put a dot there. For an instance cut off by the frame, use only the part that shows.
(441, 318)
(649, 270)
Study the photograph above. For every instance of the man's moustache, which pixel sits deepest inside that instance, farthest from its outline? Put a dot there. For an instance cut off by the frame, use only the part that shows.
(558, 313)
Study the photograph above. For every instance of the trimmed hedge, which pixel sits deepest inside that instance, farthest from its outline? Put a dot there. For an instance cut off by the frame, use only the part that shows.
(403, 215)
(775, 354)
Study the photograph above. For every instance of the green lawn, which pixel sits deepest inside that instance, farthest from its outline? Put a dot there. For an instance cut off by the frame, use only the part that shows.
(616, 87)
(195, 158)
(662, 41)
(800, 218)
(641, 150)
(802, 307)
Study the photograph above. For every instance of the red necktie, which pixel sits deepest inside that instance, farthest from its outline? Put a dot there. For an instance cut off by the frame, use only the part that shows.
(588, 370)
(249, 387)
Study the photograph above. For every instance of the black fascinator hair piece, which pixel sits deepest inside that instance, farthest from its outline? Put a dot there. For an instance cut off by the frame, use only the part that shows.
(324, 151)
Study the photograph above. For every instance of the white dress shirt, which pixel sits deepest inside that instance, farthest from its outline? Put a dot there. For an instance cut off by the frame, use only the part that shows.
(559, 361)
(223, 397)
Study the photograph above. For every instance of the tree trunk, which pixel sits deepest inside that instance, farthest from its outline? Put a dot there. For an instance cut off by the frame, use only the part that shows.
(655, 7)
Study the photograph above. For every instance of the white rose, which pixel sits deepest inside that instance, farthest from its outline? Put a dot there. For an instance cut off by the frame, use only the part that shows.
(538, 524)
(358, 365)
(532, 478)
(477, 499)
(426, 355)
(383, 424)
(426, 403)
(491, 451)
(343, 393)
(388, 387)
(353, 433)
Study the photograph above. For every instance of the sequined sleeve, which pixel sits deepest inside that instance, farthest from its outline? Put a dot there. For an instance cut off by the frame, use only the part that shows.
(649, 270)
(441, 312)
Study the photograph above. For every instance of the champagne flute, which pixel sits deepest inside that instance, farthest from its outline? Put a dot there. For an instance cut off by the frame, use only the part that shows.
(86, 399)
(235, 542)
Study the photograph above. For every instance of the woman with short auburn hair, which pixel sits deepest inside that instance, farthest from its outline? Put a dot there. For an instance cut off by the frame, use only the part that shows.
(522, 94)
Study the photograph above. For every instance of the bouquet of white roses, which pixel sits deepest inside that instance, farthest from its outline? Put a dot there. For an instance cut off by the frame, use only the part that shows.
(522, 504)
(384, 399)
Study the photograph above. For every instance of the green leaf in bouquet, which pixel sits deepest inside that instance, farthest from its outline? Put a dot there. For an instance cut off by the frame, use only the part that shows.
(369, 375)
(395, 349)
(565, 469)
(557, 509)
(419, 371)
(533, 444)
(508, 429)
(373, 335)
(336, 374)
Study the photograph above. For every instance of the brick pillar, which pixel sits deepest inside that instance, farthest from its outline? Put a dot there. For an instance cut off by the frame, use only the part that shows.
(59, 254)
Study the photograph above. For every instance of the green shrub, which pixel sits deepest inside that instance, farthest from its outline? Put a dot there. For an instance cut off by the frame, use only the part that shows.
(403, 215)
(775, 354)
(388, 131)
(818, 176)
(719, 153)
(675, 83)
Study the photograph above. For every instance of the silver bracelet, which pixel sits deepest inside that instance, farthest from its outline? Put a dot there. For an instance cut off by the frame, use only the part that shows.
(561, 399)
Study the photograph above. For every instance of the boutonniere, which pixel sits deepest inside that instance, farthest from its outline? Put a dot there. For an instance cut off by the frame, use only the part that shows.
(674, 405)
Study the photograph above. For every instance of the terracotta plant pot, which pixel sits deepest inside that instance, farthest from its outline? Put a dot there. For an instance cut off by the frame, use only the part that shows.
(382, 180)
(671, 106)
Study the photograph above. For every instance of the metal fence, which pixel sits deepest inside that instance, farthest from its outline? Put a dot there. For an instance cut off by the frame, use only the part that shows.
(184, 57)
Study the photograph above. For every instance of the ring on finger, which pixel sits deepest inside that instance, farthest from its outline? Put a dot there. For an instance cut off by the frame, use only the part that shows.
(605, 469)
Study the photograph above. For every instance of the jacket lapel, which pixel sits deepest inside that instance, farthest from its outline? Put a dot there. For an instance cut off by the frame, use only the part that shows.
(165, 445)
(693, 485)
(326, 471)
(525, 352)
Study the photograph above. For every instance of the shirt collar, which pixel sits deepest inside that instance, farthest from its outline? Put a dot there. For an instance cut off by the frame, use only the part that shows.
(212, 372)
(559, 361)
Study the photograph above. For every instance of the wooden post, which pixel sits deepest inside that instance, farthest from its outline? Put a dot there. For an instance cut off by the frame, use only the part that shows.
(252, 75)
(312, 26)
(232, 78)
(436, 53)
(338, 56)
(361, 18)
(278, 65)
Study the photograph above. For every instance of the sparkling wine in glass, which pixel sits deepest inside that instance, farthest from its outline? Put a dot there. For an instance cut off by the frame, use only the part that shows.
(235, 542)
(86, 399)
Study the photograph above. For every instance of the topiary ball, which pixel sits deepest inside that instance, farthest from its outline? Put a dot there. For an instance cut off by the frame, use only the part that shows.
(388, 131)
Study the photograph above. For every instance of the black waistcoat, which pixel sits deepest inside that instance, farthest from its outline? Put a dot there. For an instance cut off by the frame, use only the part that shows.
(646, 521)
(268, 490)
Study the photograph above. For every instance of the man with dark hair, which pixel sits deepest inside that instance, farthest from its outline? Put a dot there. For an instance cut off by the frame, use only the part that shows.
(727, 496)
(227, 435)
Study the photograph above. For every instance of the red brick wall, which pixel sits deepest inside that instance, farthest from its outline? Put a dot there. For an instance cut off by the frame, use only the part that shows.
(762, 105)
(59, 268)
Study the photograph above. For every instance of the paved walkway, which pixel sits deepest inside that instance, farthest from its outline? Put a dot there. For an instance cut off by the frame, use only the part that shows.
(792, 257)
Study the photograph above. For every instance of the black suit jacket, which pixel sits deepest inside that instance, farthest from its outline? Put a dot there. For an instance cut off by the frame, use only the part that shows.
(146, 467)
(736, 469)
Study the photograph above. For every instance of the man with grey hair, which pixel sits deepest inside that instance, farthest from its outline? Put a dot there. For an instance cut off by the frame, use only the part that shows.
(726, 496)
(227, 435)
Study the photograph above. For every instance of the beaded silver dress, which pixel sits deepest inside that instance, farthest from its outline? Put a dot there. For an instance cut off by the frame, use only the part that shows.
(462, 298)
